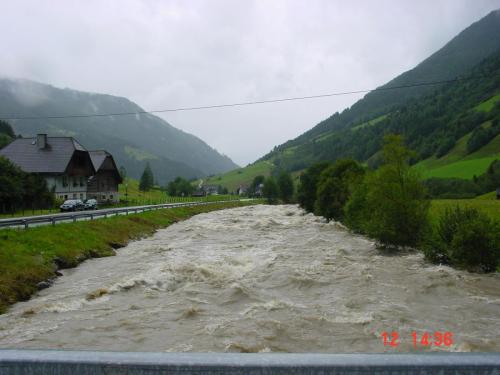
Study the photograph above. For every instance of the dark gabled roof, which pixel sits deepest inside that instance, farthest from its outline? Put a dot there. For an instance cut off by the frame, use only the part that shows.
(25, 153)
(98, 158)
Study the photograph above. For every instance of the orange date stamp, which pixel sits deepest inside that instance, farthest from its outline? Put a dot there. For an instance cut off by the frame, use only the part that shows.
(425, 339)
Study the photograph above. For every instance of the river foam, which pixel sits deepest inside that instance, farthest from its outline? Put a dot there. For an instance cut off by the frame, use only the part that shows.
(257, 279)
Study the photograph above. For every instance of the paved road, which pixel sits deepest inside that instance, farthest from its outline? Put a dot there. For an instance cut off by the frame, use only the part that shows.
(52, 219)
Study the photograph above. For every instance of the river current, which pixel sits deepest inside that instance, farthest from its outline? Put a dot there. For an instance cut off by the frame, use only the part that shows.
(257, 279)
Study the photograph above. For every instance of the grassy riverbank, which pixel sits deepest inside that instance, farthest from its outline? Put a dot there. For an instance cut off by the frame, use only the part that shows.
(28, 257)
(490, 207)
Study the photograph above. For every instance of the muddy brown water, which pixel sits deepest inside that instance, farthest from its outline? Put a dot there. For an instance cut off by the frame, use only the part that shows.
(257, 279)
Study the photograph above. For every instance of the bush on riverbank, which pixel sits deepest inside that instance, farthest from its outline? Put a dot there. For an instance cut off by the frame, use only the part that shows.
(28, 257)
(465, 238)
(394, 209)
(391, 205)
(335, 185)
(308, 184)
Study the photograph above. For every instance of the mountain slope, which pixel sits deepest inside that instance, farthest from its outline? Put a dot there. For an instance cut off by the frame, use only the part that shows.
(436, 120)
(133, 140)
(357, 131)
(456, 58)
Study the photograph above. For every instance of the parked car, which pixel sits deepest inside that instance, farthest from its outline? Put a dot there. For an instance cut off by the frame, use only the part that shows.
(72, 205)
(91, 204)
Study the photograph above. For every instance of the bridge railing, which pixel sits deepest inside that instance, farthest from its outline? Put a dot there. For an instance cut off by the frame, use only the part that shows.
(25, 222)
(48, 362)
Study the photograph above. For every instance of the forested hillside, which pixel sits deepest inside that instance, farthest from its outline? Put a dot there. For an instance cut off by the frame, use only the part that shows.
(433, 118)
(133, 140)
(432, 125)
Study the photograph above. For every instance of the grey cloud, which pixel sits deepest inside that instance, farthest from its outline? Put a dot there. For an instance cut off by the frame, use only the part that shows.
(166, 54)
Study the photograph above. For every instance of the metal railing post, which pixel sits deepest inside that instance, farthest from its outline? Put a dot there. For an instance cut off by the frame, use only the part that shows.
(51, 219)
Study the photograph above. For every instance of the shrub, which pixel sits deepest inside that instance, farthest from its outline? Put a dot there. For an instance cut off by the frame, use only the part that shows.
(335, 186)
(306, 194)
(452, 188)
(466, 238)
(18, 188)
(396, 212)
(446, 145)
(179, 187)
(285, 187)
(355, 215)
(270, 190)
(396, 209)
(481, 137)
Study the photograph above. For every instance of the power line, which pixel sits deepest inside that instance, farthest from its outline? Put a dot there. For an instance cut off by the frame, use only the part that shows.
(240, 104)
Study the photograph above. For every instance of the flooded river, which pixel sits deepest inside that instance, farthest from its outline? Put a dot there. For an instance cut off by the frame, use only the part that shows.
(257, 279)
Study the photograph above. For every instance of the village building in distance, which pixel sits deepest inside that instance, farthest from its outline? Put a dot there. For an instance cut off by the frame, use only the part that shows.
(71, 171)
(103, 185)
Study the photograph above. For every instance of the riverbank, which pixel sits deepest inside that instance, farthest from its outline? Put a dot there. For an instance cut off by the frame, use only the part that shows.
(265, 278)
(489, 206)
(28, 258)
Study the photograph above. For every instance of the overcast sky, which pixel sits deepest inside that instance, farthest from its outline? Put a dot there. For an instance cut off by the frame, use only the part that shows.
(168, 54)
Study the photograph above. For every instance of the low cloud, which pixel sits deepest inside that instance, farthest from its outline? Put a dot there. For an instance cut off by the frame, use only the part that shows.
(168, 54)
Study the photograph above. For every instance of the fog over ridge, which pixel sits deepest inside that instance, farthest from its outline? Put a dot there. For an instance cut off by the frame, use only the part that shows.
(182, 54)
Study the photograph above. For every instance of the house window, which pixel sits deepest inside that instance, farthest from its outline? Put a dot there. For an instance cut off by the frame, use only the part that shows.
(111, 197)
(104, 197)
(65, 181)
(81, 195)
(66, 196)
(74, 195)
(82, 183)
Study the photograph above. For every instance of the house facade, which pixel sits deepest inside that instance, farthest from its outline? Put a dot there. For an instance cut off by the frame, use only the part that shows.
(242, 190)
(103, 186)
(66, 165)
(210, 189)
(259, 190)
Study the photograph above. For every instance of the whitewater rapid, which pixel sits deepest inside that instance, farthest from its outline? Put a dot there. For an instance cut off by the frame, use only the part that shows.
(257, 279)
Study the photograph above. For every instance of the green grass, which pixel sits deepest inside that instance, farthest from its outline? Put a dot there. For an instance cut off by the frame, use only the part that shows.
(490, 195)
(290, 151)
(465, 169)
(242, 176)
(156, 196)
(27, 256)
(491, 149)
(457, 163)
(324, 136)
(329, 134)
(135, 196)
(370, 122)
(488, 105)
(490, 207)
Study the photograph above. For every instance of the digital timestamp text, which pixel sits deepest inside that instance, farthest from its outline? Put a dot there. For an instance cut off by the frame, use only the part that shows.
(425, 339)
